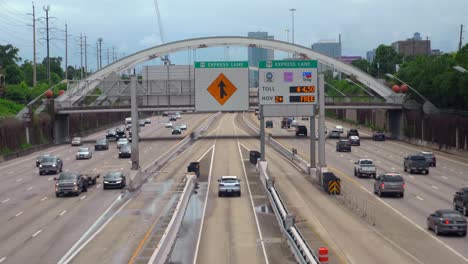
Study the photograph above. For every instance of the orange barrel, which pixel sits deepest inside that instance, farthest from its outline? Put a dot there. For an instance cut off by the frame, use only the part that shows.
(323, 255)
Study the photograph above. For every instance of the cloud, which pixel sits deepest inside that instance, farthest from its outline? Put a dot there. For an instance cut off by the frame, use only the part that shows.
(150, 40)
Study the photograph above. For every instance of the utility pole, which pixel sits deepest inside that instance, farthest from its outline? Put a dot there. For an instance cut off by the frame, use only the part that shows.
(292, 16)
(461, 37)
(107, 56)
(113, 54)
(81, 56)
(100, 52)
(85, 57)
(66, 52)
(34, 44)
(97, 56)
(47, 9)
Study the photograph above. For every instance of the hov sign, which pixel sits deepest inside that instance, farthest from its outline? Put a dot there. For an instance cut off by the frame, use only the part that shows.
(221, 86)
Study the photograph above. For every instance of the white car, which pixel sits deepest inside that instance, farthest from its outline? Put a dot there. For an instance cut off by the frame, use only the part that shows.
(121, 142)
(229, 185)
(178, 116)
(183, 126)
(168, 125)
(294, 123)
(147, 121)
(339, 129)
(76, 141)
(365, 167)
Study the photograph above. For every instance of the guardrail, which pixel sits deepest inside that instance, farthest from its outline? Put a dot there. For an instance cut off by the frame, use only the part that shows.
(297, 243)
(164, 247)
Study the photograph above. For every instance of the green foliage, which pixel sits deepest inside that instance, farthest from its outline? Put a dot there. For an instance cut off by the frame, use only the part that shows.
(9, 108)
(345, 87)
(8, 55)
(55, 67)
(362, 64)
(13, 74)
(385, 60)
(5, 151)
(28, 71)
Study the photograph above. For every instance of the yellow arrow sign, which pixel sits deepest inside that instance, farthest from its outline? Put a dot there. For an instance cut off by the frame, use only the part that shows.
(334, 187)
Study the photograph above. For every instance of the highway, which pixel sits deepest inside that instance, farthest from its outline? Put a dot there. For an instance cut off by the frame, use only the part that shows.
(37, 225)
(401, 222)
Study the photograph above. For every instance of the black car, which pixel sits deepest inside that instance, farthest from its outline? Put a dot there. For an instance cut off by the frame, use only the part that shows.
(40, 158)
(460, 201)
(165, 114)
(120, 133)
(50, 164)
(352, 132)
(176, 131)
(125, 151)
(416, 163)
(114, 180)
(343, 145)
(301, 131)
(378, 136)
(111, 133)
(269, 124)
(101, 144)
(173, 118)
(70, 183)
(445, 221)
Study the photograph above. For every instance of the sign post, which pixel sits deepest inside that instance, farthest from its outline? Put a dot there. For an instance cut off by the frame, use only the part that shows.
(289, 88)
(221, 86)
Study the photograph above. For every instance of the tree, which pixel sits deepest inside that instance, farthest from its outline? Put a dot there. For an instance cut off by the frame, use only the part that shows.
(28, 72)
(385, 61)
(8, 55)
(13, 73)
(55, 66)
(361, 64)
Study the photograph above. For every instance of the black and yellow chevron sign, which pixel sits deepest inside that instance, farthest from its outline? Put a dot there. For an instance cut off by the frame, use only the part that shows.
(334, 187)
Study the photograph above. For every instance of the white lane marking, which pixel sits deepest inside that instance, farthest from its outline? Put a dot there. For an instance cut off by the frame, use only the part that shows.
(30, 158)
(366, 156)
(11, 172)
(94, 169)
(2, 259)
(435, 187)
(390, 156)
(43, 199)
(37, 233)
(50, 178)
(18, 180)
(6, 200)
(350, 160)
(443, 177)
(420, 198)
(411, 176)
(29, 188)
(72, 252)
(62, 213)
(83, 197)
(20, 213)
(379, 161)
(97, 186)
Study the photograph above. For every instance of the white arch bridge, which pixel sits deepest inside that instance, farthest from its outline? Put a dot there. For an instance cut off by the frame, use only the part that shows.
(76, 92)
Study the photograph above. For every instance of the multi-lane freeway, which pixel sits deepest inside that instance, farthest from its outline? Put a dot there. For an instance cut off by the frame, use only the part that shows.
(357, 226)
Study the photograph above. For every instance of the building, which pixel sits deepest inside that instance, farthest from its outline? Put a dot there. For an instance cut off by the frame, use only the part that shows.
(370, 56)
(258, 54)
(349, 59)
(413, 46)
(330, 48)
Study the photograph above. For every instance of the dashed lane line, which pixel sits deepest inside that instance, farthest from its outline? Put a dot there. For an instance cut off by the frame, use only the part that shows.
(37, 233)
(420, 198)
(18, 214)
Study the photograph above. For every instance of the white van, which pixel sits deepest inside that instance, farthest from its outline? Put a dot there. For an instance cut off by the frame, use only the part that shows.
(128, 120)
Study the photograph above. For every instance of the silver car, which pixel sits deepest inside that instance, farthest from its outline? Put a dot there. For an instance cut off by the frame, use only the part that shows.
(121, 142)
(84, 153)
(389, 183)
(229, 185)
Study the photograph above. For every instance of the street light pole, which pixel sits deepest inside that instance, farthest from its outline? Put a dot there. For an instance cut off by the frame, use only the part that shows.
(460, 69)
(411, 88)
(292, 16)
(336, 89)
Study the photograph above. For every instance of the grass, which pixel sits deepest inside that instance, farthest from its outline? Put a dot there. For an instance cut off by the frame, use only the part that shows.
(9, 108)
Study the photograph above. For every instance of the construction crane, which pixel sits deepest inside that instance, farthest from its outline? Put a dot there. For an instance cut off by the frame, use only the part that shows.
(164, 58)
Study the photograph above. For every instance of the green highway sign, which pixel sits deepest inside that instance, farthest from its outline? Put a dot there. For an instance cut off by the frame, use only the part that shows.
(221, 64)
(278, 64)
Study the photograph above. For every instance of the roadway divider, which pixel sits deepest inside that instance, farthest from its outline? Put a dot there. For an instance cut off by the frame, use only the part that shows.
(174, 151)
(165, 245)
(286, 221)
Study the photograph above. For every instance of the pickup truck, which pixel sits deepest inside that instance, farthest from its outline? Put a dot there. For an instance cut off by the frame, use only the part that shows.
(460, 201)
(73, 183)
(364, 167)
(416, 163)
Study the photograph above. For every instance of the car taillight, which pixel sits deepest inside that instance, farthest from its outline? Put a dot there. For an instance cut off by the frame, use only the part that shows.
(447, 221)
(382, 185)
(404, 185)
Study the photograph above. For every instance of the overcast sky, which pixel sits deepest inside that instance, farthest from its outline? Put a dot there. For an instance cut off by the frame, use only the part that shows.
(131, 25)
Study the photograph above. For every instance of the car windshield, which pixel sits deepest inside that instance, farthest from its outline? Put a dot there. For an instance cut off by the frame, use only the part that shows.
(392, 178)
(83, 150)
(67, 176)
(366, 162)
(113, 175)
(76, 139)
(48, 159)
(451, 214)
(229, 181)
(417, 158)
(101, 141)
(126, 147)
(123, 140)
(428, 155)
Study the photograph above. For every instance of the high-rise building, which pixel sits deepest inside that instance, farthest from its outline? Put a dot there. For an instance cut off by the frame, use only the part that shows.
(413, 46)
(330, 48)
(258, 54)
(370, 55)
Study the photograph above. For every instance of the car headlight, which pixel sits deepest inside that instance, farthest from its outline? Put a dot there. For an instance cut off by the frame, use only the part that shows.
(53, 165)
(40, 165)
(120, 152)
(118, 181)
(106, 182)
